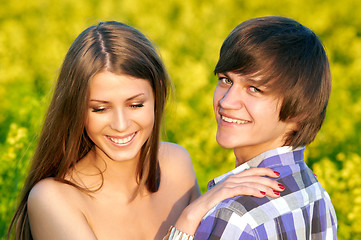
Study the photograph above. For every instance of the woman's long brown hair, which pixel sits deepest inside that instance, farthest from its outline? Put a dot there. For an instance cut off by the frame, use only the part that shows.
(110, 46)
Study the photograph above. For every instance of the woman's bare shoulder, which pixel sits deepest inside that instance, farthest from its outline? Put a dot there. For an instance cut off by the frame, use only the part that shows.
(174, 155)
(54, 206)
(176, 164)
(48, 196)
(50, 189)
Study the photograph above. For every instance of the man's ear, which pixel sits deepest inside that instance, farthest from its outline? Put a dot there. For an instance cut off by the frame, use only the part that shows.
(294, 122)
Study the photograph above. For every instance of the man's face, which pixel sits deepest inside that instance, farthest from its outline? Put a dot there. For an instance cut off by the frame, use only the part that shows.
(247, 116)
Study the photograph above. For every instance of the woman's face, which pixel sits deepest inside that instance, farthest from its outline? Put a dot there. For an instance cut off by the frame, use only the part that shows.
(120, 116)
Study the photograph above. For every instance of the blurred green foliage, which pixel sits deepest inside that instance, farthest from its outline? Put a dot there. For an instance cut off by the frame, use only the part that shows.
(35, 35)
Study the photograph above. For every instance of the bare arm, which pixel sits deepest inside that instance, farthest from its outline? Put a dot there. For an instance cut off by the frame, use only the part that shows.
(249, 182)
(53, 215)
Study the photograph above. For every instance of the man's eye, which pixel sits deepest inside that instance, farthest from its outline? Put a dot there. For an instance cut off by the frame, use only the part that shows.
(225, 80)
(254, 89)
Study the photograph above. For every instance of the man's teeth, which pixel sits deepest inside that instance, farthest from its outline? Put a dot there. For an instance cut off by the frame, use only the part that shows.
(230, 120)
(122, 140)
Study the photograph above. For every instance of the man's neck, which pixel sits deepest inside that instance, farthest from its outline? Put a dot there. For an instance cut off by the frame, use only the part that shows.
(245, 154)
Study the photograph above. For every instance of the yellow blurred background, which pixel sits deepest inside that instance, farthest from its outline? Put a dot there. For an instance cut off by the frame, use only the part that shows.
(35, 35)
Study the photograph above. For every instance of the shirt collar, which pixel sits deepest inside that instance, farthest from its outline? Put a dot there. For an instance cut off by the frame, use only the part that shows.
(261, 161)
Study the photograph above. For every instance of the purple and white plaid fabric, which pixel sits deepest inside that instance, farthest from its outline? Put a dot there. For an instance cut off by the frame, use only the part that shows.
(303, 210)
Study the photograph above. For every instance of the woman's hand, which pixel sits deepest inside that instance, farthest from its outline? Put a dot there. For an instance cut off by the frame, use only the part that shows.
(253, 182)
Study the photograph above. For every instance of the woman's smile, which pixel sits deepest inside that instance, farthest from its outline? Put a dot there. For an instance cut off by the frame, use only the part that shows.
(122, 140)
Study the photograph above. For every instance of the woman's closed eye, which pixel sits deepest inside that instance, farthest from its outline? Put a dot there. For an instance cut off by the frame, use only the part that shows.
(137, 105)
(98, 109)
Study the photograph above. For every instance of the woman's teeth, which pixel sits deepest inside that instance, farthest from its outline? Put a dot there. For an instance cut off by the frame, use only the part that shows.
(230, 120)
(122, 140)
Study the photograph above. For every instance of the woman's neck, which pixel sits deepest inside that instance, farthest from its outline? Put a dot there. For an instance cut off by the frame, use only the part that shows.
(96, 171)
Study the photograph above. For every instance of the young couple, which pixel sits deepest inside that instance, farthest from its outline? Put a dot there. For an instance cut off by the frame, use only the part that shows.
(99, 171)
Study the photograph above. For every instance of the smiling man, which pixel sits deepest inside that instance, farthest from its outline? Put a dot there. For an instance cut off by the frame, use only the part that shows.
(270, 102)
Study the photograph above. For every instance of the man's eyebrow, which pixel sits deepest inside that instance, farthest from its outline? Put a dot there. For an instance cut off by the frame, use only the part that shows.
(245, 78)
(225, 74)
(252, 81)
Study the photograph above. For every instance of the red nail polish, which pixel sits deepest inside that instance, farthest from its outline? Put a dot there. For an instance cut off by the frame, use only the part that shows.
(277, 173)
(276, 192)
(281, 186)
(263, 193)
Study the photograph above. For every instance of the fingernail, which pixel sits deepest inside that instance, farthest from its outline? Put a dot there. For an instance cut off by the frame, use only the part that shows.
(276, 192)
(263, 193)
(281, 186)
(277, 173)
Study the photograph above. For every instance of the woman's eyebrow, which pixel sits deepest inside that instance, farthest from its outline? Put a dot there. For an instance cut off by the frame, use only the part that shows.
(95, 100)
(135, 96)
(128, 99)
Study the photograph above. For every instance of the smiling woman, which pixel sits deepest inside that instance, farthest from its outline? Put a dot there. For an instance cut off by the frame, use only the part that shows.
(101, 138)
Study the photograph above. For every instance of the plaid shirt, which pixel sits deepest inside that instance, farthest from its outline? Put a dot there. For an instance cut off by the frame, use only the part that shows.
(303, 210)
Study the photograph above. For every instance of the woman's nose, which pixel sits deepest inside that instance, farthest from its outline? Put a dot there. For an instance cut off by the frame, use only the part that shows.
(119, 120)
